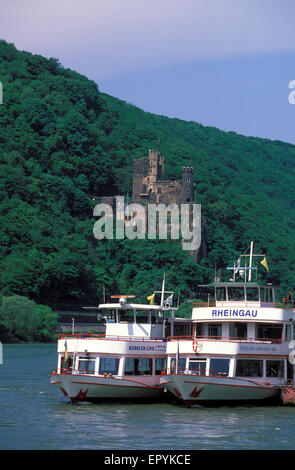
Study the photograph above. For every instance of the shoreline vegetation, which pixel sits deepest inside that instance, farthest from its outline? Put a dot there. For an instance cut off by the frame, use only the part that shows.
(22, 320)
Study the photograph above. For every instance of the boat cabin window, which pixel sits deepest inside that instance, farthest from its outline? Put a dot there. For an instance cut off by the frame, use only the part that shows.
(101, 315)
(197, 367)
(220, 293)
(110, 315)
(262, 294)
(252, 294)
(270, 331)
(154, 317)
(66, 364)
(160, 365)
(249, 368)
(87, 364)
(287, 333)
(236, 293)
(142, 316)
(214, 330)
(181, 328)
(198, 330)
(109, 365)
(125, 316)
(274, 368)
(237, 330)
(219, 367)
(181, 365)
(289, 371)
(157, 317)
(269, 297)
(138, 366)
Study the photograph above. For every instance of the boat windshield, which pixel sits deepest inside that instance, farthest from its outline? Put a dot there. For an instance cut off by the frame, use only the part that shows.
(126, 316)
(252, 294)
(236, 293)
(117, 315)
(109, 315)
(220, 293)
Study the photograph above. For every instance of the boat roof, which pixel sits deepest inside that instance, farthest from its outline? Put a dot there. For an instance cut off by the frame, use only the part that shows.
(127, 306)
(235, 284)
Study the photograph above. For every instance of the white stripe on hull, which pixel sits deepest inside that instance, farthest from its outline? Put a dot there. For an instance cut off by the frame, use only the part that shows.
(81, 388)
(214, 389)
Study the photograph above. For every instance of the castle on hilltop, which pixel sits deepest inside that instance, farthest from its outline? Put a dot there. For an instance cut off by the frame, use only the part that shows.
(149, 185)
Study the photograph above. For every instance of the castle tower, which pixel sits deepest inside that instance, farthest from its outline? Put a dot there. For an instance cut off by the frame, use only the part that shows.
(146, 172)
(187, 182)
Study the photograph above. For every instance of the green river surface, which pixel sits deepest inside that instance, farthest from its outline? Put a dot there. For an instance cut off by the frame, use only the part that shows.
(34, 415)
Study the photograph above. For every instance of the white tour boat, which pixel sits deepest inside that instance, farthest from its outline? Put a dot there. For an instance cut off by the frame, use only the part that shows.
(125, 363)
(239, 348)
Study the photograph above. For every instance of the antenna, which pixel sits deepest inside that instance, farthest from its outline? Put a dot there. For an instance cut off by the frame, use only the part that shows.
(163, 290)
(250, 262)
(178, 299)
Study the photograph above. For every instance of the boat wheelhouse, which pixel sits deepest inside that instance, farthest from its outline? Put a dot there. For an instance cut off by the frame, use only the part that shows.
(239, 349)
(125, 363)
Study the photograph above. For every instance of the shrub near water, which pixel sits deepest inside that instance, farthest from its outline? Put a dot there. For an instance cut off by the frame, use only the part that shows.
(21, 319)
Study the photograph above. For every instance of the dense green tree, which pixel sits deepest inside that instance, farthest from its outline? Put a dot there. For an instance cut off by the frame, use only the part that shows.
(22, 319)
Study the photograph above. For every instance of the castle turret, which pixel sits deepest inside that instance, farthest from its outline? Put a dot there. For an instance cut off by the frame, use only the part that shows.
(147, 172)
(187, 182)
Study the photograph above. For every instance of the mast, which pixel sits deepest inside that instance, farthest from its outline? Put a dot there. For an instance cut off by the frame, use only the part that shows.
(250, 262)
(163, 291)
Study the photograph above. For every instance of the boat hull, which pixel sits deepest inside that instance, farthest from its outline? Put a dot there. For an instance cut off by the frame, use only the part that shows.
(216, 391)
(98, 389)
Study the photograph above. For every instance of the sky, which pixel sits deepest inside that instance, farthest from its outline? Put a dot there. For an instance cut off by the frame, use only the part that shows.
(222, 63)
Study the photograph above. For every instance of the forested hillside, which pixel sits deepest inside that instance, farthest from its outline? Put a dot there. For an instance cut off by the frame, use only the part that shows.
(63, 142)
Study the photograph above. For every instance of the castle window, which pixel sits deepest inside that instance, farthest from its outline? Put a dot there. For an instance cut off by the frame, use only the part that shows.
(188, 180)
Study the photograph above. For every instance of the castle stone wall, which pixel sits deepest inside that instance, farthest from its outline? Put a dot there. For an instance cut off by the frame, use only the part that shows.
(150, 187)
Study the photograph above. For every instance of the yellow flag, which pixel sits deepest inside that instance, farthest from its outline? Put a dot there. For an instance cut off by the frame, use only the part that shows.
(66, 351)
(264, 263)
(151, 298)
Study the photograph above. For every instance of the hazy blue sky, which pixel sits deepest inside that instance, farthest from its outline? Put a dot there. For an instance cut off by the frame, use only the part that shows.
(223, 63)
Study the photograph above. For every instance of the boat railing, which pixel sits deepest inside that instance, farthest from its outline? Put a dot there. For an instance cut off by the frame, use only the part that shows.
(90, 336)
(171, 338)
(244, 303)
(203, 373)
(226, 339)
(214, 373)
(73, 371)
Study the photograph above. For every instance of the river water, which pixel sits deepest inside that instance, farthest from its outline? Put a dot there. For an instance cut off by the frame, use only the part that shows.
(34, 415)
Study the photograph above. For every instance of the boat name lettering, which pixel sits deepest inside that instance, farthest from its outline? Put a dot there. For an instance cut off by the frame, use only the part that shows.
(137, 348)
(234, 313)
(258, 348)
(147, 348)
